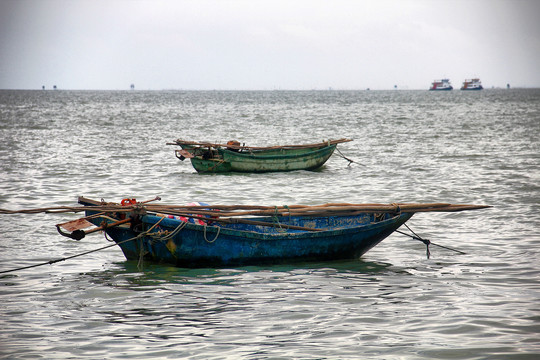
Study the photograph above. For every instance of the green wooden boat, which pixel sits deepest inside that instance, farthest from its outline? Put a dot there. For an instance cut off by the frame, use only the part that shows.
(233, 157)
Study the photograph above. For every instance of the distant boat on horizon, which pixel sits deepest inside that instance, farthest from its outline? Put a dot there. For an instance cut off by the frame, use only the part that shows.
(472, 84)
(443, 84)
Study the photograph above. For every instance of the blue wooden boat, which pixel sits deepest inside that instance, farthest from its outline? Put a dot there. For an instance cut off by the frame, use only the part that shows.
(247, 241)
(202, 235)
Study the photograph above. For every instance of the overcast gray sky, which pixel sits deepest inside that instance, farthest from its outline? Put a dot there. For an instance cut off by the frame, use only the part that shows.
(259, 44)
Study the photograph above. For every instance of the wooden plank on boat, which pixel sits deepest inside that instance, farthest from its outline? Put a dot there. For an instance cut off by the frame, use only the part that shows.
(184, 153)
(78, 224)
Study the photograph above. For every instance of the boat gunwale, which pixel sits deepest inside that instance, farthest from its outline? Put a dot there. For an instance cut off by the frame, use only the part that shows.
(151, 219)
(173, 223)
(194, 144)
(259, 155)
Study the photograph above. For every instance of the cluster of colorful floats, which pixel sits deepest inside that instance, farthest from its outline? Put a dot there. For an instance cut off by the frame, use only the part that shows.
(445, 85)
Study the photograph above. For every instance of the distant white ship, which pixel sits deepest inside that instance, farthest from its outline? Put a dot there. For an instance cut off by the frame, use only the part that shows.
(443, 84)
(472, 84)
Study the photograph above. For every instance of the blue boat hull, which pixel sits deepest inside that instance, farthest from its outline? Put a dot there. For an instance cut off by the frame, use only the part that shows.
(216, 245)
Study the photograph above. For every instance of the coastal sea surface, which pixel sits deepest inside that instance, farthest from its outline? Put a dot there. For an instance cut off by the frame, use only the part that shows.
(393, 303)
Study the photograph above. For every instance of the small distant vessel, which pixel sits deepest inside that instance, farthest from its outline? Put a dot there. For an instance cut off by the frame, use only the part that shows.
(443, 84)
(472, 84)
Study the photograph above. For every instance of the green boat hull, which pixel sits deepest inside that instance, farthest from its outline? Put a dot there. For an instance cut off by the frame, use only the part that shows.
(275, 160)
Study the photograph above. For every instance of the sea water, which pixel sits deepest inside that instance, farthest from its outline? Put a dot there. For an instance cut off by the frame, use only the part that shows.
(393, 303)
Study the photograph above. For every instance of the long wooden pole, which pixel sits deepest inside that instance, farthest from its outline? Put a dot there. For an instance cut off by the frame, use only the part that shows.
(246, 221)
(208, 144)
(323, 211)
(241, 213)
(250, 210)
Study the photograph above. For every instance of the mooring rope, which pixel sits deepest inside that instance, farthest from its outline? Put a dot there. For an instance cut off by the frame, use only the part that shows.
(142, 252)
(427, 242)
(346, 158)
(50, 262)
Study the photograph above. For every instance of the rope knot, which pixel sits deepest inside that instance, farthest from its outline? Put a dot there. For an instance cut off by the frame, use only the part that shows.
(275, 220)
(289, 210)
(426, 242)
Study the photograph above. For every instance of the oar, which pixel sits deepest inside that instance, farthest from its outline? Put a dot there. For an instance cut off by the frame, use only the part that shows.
(80, 234)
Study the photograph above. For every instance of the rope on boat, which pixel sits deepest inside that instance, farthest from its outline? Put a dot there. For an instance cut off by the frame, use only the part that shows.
(208, 241)
(213, 167)
(275, 220)
(286, 207)
(427, 242)
(141, 244)
(164, 236)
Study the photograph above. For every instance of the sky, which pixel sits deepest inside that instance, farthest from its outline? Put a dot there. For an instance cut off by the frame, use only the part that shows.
(267, 45)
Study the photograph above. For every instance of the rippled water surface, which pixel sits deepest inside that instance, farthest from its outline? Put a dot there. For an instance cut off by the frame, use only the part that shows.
(394, 303)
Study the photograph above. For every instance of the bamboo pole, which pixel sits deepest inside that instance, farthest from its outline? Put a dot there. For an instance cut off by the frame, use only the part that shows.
(325, 210)
(246, 221)
(214, 145)
(255, 210)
